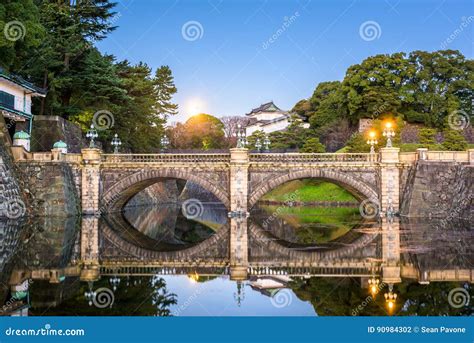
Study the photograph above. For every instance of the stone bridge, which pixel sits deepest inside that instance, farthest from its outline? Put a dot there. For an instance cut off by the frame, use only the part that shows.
(105, 182)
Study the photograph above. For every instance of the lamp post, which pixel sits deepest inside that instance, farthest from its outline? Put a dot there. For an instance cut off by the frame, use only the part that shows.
(165, 142)
(90, 294)
(390, 298)
(241, 137)
(114, 281)
(239, 296)
(266, 144)
(92, 134)
(372, 141)
(374, 285)
(258, 145)
(116, 142)
(389, 133)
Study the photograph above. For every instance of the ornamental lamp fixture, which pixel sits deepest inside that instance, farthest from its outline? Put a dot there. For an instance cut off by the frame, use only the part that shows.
(92, 135)
(372, 141)
(390, 298)
(116, 142)
(389, 132)
(258, 145)
(266, 144)
(374, 285)
(165, 142)
(241, 137)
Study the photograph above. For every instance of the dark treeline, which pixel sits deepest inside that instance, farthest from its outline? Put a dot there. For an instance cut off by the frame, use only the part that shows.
(57, 51)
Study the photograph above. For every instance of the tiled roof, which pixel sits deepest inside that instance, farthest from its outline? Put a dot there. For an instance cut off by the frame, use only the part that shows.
(268, 107)
(21, 82)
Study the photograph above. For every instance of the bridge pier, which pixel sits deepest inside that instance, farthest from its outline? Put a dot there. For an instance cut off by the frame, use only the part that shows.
(91, 159)
(90, 248)
(239, 165)
(389, 180)
(391, 250)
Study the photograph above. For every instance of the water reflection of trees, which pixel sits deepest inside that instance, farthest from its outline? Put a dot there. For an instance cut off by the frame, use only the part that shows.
(138, 296)
(346, 297)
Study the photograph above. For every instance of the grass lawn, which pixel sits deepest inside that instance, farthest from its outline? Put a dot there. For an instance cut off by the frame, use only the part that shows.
(307, 190)
(317, 224)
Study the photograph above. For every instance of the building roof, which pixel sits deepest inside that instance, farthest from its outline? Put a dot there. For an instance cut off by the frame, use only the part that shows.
(268, 107)
(18, 80)
(267, 122)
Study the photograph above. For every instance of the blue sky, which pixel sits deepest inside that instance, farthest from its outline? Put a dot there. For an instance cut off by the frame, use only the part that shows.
(249, 52)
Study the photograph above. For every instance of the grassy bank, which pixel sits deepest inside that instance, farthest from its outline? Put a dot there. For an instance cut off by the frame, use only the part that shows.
(317, 224)
(309, 190)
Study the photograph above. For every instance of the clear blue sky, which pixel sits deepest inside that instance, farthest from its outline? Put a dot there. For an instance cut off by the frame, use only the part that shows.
(231, 67)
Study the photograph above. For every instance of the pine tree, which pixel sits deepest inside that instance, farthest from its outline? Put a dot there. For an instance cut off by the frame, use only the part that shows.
(165, 87)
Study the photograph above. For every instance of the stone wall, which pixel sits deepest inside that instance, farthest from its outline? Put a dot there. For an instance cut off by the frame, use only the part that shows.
(163, 192)
(53, 188)
(13, 202)
(439, 190)
(47, 130)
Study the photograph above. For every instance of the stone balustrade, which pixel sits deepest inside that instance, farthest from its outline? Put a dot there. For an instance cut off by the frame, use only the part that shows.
(165, 158)
(312, 157)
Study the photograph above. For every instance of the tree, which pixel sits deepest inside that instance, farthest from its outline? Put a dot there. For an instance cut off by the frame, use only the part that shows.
(201, 131)
(164, 84)
(454, 141)
(252, 139)
(427, 136)
(313, 145)
(231, 124)
(21, 32)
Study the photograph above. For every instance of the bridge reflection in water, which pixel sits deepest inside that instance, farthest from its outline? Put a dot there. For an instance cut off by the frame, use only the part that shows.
(74, 255)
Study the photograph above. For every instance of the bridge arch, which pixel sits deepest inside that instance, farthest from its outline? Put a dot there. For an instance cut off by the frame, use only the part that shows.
(358, 188)
(118, 194)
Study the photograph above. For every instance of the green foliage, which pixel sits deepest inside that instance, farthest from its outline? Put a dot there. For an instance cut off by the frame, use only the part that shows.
(427, 136)
(201, 131)
(252, 139)
(421, 87)
(58, 53)
(357, 143)
(411, 147)
(294, 137)
(313, 145)
(454, 141)
(309, 190)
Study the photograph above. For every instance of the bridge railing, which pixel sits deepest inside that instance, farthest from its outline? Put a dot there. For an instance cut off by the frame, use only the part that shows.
(313, 158)
(448, 156)
(165, 158)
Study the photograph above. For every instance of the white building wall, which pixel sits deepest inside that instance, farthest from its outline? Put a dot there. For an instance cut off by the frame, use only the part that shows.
(22, 100)
(277, 126)
(266, 115)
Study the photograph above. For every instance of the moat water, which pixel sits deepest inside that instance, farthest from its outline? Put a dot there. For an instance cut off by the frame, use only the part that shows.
(427, 252)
